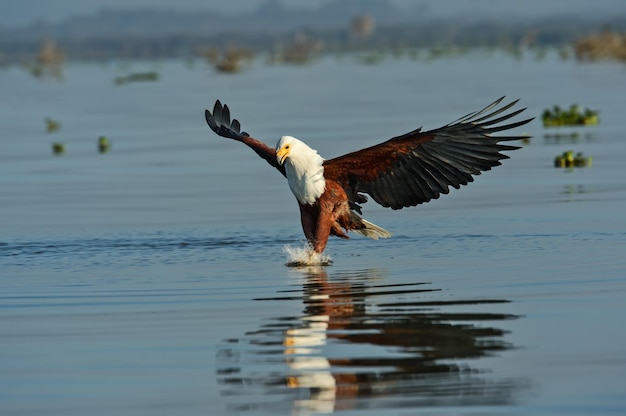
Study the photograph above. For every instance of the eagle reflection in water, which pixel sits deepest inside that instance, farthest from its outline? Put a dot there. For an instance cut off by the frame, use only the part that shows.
(361, 343)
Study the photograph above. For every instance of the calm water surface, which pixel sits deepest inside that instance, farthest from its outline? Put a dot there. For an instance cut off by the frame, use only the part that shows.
(151, 280)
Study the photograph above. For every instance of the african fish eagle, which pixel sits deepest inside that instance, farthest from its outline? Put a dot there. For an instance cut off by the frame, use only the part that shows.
(403, 171)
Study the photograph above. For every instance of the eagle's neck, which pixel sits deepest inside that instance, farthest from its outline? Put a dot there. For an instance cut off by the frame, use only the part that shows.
(305, 174)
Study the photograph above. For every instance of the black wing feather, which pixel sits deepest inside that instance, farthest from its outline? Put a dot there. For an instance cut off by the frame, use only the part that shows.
(418, 166)
(219, 121)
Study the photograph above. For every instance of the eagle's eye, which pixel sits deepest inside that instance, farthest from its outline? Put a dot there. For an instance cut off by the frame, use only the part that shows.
(287, 147)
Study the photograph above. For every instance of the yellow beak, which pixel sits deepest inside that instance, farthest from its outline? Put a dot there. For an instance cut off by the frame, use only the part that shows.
(282, 154)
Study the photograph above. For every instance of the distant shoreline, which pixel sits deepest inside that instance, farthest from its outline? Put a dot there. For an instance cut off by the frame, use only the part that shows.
(157, 34)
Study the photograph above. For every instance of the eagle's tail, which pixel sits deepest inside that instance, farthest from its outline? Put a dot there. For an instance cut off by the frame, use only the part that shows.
(369, 229)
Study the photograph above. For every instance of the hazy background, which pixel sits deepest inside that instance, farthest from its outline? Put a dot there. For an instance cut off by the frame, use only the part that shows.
(101, 30)
(19, 13)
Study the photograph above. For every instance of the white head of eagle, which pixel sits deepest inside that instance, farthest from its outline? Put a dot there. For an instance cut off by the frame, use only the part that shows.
(303, 166)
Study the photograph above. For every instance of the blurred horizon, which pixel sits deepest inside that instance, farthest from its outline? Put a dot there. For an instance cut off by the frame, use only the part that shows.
(103, 30)
(27, 12)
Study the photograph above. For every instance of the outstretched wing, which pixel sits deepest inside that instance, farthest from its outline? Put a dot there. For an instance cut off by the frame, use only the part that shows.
(419, 166)
(219, 121)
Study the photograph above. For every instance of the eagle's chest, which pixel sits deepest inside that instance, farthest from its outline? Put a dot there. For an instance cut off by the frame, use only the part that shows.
(306, 183)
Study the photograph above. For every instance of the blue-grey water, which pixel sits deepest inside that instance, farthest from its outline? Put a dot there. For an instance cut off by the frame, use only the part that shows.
(152, 279)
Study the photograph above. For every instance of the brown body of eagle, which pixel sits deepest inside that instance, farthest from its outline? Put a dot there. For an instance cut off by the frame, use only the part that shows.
(403, 171)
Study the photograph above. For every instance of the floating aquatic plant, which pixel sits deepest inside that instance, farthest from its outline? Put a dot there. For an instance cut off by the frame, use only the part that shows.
(371, 58)
(570, 160)
(52, 125)
(48, 62)
(58, 148)
(573, 116)
(607, 45)
(137, 77)
(103, 144)
(300, 51)
(231, 60)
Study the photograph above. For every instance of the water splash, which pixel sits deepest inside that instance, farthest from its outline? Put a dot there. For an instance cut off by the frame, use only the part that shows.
(305, 256)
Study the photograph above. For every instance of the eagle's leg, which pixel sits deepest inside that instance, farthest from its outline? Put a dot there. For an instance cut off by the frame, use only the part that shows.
(317, 224)
(325, 222)
(308, 218)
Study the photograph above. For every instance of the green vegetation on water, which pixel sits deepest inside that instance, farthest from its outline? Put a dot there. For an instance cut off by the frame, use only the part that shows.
(103, 144)
(574, 116)
(137, 77)
(569, 160)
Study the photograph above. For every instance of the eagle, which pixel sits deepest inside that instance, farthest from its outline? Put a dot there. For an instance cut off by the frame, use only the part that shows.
(404, 171)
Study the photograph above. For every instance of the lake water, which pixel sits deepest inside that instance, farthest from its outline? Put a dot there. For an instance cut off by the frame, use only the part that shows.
(152, 279)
